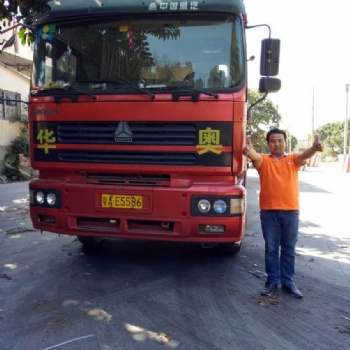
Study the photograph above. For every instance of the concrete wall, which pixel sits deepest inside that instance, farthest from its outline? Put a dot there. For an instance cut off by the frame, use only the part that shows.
(8, 132)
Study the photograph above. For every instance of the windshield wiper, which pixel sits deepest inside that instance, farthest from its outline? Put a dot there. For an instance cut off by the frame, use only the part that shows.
(78, 92)
(65, 92)
(126, 83)
(192, 91)
(135, 87)
(202, 91)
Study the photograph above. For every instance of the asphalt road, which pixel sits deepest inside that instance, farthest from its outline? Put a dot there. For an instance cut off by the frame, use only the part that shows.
(55, 294)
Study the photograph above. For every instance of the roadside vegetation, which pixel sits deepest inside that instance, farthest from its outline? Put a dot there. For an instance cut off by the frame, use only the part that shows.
(17, 166)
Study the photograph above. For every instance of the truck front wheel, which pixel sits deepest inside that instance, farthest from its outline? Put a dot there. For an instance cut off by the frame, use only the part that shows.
(229, 248)
(88, 240)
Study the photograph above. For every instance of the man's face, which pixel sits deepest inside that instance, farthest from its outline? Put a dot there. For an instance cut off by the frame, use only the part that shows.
(276, 144)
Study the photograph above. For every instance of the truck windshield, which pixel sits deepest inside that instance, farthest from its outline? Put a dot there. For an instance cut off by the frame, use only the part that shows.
(156, 53)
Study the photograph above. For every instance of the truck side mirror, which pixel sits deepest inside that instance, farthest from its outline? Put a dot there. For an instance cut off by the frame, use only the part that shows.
(268, 84)
(270, 57)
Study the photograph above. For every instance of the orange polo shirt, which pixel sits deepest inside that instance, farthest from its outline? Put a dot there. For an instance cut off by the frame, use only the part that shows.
(279, 184)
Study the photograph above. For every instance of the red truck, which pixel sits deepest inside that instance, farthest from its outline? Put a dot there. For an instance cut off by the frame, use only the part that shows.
(137, 116)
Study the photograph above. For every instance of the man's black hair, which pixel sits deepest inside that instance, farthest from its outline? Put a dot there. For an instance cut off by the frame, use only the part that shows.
(276, 131)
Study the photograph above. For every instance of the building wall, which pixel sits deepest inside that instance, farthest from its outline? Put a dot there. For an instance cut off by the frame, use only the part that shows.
(13, 79)
(13, 82)
(8, 132)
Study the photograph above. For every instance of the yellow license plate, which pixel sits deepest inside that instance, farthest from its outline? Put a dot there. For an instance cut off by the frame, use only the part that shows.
(121, 201)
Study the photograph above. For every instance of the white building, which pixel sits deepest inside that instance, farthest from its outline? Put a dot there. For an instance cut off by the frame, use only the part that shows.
(15, 71)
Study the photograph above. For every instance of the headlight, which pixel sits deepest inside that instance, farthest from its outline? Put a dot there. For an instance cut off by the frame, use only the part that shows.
(44, 197)
(217, 205)
(40, 197)
(51, 198)
(203, 206)
(220, 206)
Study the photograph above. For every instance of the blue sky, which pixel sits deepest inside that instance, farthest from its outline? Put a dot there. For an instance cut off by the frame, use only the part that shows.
(314, 60)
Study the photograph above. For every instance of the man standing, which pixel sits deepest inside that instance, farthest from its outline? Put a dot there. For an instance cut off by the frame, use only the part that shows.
(279, 207)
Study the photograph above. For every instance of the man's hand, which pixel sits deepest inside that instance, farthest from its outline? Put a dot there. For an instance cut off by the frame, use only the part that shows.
(250, 152)
(248, 147)
(318, 144)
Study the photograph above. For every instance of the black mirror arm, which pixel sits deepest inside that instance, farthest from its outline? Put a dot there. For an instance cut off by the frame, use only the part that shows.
(260, 25)
(249, 113)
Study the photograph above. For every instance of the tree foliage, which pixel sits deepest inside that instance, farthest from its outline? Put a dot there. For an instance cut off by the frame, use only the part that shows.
(294, 142)
(264, 117)
(25, 10)
(22, 12)
(332, 134)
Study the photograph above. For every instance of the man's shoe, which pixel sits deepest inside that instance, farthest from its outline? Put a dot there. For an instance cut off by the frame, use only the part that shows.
(269, 289)
(292, 289)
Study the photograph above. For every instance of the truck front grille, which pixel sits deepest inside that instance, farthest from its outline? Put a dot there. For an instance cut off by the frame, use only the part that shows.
(117, 157)
(142, 133)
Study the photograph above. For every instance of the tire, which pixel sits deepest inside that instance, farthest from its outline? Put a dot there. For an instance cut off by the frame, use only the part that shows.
(229, 248)
(89, 240)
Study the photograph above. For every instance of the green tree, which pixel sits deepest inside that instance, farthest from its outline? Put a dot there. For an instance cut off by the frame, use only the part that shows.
(332, 134)
(294, 142)
(25, 10)
(264, 117)
(23, 13)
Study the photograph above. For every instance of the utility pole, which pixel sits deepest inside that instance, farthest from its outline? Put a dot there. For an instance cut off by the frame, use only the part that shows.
(346, 121)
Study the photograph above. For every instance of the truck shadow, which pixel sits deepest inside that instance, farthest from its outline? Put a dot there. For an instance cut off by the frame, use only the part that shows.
(140, 250)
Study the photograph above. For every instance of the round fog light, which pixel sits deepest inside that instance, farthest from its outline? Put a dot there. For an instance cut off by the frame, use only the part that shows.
(51, 198)
(220, 206)
(39, 197)
(203, 205)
